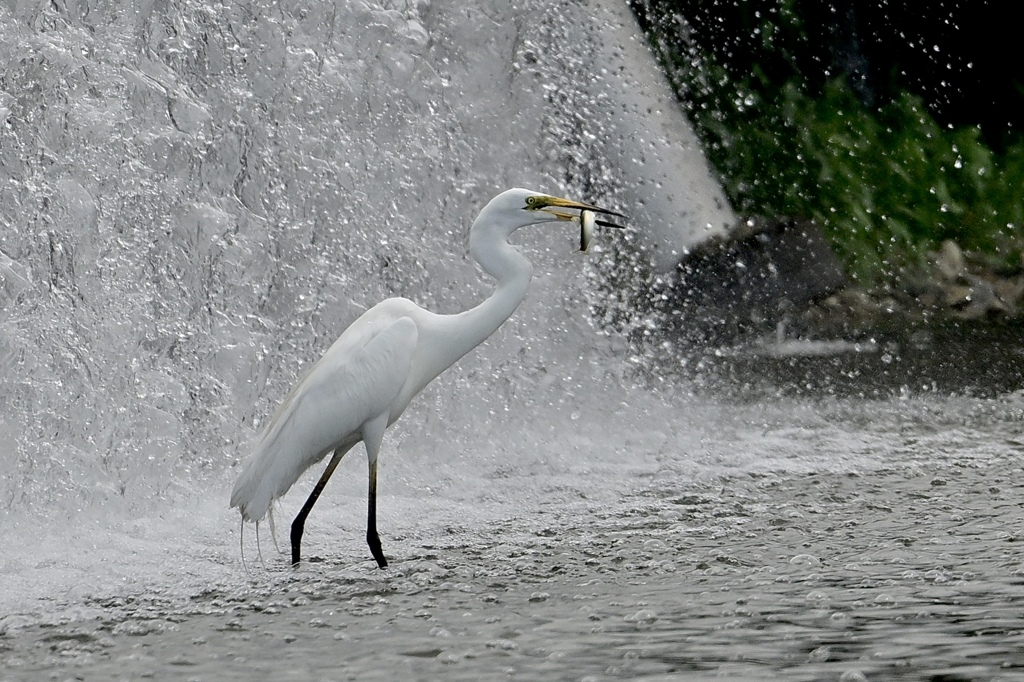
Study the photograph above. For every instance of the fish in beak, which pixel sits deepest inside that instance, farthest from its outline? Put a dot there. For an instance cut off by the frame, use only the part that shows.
(587, 217)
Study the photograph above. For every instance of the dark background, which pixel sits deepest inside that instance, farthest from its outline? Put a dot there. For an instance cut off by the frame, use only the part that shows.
(963, 58)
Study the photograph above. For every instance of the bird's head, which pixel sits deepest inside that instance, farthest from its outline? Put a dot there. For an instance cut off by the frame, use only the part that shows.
(517, 208)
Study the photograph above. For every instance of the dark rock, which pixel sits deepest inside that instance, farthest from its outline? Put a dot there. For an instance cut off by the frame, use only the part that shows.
(753, 278)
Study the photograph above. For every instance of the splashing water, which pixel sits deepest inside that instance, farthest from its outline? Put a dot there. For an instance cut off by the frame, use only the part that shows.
(197, 200)
(212, 193)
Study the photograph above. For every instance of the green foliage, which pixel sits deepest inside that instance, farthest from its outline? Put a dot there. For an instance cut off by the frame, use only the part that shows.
(888, 184)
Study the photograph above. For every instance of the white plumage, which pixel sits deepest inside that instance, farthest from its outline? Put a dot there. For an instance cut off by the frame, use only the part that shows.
(369, 375)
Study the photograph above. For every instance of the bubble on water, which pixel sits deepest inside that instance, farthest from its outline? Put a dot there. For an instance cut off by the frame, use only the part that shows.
(655, 546)
(805, 560)
(643, 617)
(448, 658)
(821, 654)
(816, 596)
(137, 628)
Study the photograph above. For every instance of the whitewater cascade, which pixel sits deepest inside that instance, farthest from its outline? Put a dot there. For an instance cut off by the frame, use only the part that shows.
(197, 197)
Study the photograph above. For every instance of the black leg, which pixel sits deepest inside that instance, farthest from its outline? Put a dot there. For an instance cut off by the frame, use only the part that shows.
(299, 524)
(372, 539)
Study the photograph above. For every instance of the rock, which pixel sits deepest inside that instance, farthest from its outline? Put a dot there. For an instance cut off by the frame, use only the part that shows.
(949, 261)
(780, 279)
(763, 270)
(980, 301)
(957, 296)
(1010, 291)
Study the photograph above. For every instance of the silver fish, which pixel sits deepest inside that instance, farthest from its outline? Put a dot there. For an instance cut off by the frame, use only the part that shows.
(587, 221)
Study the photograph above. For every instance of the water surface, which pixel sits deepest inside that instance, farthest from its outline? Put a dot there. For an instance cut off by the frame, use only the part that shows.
(807, 539)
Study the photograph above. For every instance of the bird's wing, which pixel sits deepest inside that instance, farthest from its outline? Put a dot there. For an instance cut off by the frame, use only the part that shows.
(351, 384)
(362, 382)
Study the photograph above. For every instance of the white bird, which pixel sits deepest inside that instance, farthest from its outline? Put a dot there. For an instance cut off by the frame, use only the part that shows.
(366, 379)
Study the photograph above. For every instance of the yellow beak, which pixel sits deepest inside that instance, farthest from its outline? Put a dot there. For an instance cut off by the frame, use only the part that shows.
(585, 217)
(547, 203)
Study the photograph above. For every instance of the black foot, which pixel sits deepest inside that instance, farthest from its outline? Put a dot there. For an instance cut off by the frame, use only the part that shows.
(375, 549)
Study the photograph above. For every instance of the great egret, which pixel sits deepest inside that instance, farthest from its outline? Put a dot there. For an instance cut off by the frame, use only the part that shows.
(366, 379)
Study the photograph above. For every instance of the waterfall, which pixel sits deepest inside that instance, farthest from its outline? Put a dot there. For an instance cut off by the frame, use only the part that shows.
(196, 198)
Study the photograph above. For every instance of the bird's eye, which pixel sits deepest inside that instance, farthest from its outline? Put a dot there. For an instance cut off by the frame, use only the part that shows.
(531, 201)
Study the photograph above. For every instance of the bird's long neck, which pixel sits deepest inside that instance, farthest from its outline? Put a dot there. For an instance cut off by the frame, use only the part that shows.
(503, 262)
(462, 332)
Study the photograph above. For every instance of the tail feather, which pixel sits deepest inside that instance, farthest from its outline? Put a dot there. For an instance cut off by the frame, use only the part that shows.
(284, 452)
(268, 475)
(253, 491)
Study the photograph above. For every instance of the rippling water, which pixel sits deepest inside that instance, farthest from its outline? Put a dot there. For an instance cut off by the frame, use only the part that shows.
(809, 539)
